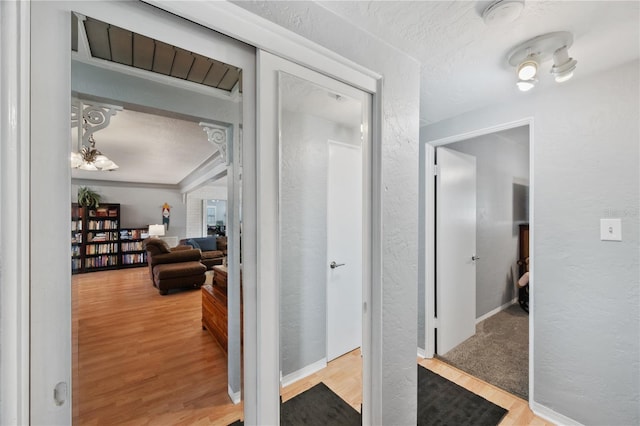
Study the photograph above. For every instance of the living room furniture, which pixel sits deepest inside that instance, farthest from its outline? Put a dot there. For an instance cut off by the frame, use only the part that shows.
(94, 238)
(214, 307)
(213, 249)
(132, 254)
(179, 267)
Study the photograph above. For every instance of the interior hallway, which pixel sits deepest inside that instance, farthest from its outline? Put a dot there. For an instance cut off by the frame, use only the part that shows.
(143, 358)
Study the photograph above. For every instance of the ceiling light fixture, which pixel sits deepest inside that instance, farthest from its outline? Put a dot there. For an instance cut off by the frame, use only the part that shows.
(528, 56)
(563, 65)
(94, 117)
(528, 68)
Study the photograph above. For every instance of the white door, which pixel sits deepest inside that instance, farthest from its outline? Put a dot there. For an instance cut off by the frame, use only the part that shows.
(455, 248)
(344, 249)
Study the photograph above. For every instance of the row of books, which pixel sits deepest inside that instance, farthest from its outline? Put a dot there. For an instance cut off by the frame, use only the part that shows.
(101, 236)
(133, 234)
(75, 264)
(102, 224)
(132, 259)
(131, 246)
(100, 261)
(76, 225)
(76, 238)
(102, 249)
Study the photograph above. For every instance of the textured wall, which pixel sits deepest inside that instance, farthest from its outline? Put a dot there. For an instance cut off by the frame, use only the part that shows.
(395, 348)
(586, 148)
(502, 161)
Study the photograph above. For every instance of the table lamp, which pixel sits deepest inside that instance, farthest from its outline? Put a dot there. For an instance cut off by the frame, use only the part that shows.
(156, 231)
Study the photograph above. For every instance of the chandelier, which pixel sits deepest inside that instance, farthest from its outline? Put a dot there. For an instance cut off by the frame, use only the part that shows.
(94, 117)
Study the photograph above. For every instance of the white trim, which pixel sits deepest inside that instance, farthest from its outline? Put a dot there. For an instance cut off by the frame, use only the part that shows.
(430, 237)
(14, 220)
(552, 416)
(496, 310)
(481, 132)
(303, 372)
(429, 252)
(422, 353)
(236, 397)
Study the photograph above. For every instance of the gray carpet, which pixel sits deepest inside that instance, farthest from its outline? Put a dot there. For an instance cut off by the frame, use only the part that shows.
(498, 353)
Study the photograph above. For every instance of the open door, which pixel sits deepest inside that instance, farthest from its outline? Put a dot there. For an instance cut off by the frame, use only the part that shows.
(455, 248)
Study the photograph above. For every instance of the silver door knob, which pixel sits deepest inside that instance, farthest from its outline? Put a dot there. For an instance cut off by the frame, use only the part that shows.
(474, 257)
(334, 265)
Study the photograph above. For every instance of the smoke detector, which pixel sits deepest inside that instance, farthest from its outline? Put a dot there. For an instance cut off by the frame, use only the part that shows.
(502, 11)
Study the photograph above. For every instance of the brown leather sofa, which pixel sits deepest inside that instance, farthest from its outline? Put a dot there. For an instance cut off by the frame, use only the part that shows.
(179, 267)
(213, 249)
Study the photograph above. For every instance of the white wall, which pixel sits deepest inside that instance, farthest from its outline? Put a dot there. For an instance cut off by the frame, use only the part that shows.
(141, 206)
(586, 296)
(502, 161)
(395, 307)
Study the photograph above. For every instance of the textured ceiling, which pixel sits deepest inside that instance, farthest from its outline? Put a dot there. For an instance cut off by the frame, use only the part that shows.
(149, 148)
(464, 61)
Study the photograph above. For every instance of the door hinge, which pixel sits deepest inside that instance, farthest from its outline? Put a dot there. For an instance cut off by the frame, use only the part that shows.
(436, 170)
(436, 323)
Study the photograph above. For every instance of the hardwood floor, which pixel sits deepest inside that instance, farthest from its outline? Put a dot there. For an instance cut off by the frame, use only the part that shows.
(142, 358)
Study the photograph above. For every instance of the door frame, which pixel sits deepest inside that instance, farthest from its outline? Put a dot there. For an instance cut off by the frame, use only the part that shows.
(427, 193)
(15, 157)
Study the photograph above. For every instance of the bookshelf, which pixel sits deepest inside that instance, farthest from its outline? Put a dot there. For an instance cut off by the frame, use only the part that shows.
(95, 242)
(131, 252)
(76, 237)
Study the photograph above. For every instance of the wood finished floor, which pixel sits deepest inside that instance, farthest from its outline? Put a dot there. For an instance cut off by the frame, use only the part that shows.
(141, 358)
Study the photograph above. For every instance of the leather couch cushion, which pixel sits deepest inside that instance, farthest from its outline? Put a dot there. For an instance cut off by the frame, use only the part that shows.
(177, 270)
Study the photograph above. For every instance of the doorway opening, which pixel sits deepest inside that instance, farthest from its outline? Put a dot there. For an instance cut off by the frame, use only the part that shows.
(491, 341)
(174, 132)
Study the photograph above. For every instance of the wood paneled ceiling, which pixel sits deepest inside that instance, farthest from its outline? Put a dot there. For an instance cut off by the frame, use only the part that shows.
(116, 44)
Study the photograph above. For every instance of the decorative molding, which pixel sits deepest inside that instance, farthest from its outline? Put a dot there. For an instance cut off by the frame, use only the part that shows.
(217, 135)
(95, 116)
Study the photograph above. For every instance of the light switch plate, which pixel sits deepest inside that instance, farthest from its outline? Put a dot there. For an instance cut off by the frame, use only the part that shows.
(611, 229)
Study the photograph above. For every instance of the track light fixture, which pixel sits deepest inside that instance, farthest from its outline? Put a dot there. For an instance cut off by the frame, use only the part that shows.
(528, 56)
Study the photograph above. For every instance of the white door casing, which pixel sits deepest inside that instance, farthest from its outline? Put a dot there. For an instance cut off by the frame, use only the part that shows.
(455, 248)
(344, 247)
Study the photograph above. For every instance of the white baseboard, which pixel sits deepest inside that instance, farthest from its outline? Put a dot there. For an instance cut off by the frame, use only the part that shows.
(236, 397)
(422, 353)
(302, 373)
(496, 310)
(550, 415)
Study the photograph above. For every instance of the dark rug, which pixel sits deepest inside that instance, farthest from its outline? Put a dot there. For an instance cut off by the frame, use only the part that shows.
(498, 353)
(442, 402)
(318, 406)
